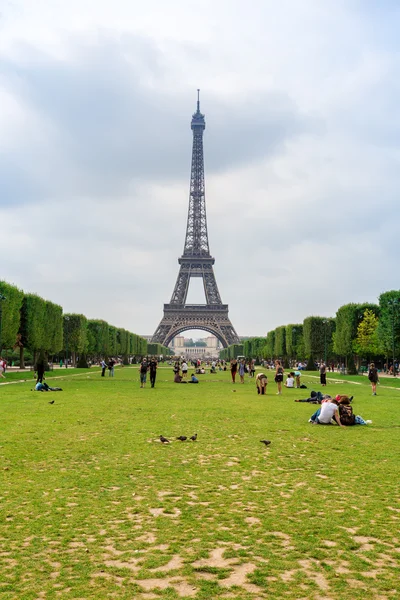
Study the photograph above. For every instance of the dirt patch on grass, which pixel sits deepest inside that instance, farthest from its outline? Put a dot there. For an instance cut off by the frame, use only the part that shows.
(182, 588)
(216, 559)
(311, 569)
(148, 538)
(120, 564)
(329, 543)
(239, 577)
(252, 521)
(176, 562)
(161, 512)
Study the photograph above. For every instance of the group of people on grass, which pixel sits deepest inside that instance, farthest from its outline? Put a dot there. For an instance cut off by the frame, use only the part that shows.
(293, 379)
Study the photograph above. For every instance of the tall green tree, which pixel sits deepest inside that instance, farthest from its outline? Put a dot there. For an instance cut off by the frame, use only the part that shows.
(295, 341)
(75, 335)
(270, 345)
(280, 342)
(318, 332)
(389, 323)
(11, 308)
(367, 342)
(53, 336)
(33, 323)
(348, 317)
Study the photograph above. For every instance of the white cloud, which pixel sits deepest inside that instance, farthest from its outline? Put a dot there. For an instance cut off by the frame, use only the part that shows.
(301, 157)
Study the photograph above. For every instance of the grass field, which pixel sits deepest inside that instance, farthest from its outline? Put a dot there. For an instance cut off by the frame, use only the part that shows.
(94, 506)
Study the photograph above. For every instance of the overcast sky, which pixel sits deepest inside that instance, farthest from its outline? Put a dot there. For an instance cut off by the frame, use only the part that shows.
(301, 153)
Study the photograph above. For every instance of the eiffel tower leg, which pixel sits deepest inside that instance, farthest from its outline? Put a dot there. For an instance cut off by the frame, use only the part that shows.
(181, 287)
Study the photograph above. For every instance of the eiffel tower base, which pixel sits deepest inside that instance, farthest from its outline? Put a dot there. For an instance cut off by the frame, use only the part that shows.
(207, 317)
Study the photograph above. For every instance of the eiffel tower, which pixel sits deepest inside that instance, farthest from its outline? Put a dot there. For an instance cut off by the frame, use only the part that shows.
(196, 261)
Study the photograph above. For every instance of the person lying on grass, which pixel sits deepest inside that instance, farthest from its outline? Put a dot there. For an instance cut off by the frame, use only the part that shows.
(43, 387)
(319, 398)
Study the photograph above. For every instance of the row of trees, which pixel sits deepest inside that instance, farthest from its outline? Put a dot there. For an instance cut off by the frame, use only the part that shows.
(358, 331)
(232, 351)
(158, 350)
(30, 322)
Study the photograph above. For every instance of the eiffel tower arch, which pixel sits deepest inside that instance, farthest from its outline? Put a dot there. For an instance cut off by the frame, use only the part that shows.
(196, 261)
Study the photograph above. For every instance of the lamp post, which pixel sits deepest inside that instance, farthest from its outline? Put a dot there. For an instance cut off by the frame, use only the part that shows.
(325, 322)
(1, 314)
(393, 303)
(66, 341)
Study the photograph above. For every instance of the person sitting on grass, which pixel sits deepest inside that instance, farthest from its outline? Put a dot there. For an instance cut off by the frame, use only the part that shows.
(177, 378)
(329, 411)
(193, 379)
(261, 383)
(347, 417)
(297, 375)
(289, 383)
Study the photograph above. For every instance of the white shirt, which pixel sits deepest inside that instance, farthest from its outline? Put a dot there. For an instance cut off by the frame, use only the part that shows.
(328, 409)
(184, 367)
(290, 382)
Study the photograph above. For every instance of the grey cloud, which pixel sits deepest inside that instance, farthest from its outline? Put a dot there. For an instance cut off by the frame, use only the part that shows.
(109, 128)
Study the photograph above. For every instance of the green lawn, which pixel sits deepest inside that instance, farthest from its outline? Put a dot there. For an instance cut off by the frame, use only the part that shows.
(94, 506)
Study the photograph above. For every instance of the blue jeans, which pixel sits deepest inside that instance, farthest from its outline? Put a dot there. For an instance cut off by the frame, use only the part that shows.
(314, 417)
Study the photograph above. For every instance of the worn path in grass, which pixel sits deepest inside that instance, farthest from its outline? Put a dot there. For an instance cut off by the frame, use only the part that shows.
(94, 506)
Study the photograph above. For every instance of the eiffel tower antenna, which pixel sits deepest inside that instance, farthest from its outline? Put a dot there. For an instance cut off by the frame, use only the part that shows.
(196, 261)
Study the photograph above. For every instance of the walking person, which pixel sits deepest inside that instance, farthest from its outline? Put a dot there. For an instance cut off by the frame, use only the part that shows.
(40, 371)
(153, 371)
(242, 370)
(373, 377)
(184, 369)
(234, 367)
(103, 367)
(3, 365)
(322, 374)
(111, 364)
(278, 376)
(143, 372)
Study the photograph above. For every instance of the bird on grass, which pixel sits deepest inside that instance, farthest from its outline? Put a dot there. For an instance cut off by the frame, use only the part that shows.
(182, 438)
(163, 440)
(51, 401)
(194, 437)
(266, 442)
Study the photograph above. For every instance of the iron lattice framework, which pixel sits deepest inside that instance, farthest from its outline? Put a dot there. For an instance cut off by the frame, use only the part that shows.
(196, 261)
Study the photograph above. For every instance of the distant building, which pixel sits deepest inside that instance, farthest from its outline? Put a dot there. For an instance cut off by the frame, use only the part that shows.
(204, 348)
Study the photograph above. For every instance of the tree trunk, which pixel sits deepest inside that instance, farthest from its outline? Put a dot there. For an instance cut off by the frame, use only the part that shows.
(21, 358)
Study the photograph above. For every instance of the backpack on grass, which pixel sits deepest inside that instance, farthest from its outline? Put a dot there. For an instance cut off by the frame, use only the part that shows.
(346, 415)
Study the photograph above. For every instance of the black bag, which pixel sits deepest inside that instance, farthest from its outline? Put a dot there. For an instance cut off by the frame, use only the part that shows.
(303, 387)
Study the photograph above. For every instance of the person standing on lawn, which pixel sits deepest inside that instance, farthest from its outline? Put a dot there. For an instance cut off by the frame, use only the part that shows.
(3, 365)
(103, 365)
(153, 371)
(278, 376)
(373, 377)
(322, 374)
(234, 366)
(143, 372)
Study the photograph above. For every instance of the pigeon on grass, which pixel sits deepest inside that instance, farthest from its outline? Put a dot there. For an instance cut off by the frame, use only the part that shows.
(163, 440)
(266, 442)
(194, 437)
(51, 401)
(182, 438)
